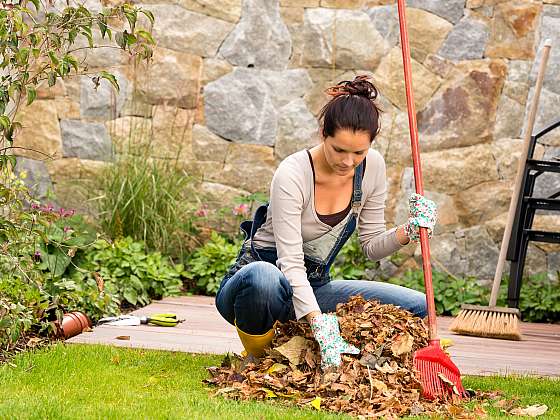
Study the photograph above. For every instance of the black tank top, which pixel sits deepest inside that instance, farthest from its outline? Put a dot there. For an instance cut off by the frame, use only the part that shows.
(335, 218)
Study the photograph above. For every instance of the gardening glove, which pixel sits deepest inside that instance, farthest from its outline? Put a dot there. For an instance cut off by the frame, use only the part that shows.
(327, 333)
(421, 213)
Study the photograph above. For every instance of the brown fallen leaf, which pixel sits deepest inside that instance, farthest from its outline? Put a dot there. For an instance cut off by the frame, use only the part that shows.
(480, 412)
(402, 344)
(448, 382)
(99, 281)
(33, 341)
(122, 337)
(386, 368)
(505, 405)
(226, 390)
(293, 349)
(379, 385)
(530, 411)
(369, 360)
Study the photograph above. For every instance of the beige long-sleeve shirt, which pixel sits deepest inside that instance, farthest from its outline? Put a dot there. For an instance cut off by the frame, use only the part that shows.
(292, 222)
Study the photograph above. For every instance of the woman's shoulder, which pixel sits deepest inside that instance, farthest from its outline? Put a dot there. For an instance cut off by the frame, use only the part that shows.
(293, 176)
(294, 164)
(375, 158)
(375, 174)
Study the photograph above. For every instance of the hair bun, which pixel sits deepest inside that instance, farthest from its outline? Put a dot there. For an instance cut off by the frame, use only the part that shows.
(360, 86)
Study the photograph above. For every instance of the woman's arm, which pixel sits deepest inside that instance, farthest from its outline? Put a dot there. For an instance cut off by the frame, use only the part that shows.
(286, 205)
(375, 240)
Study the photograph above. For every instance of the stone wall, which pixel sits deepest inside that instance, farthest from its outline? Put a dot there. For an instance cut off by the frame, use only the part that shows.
(236, 85)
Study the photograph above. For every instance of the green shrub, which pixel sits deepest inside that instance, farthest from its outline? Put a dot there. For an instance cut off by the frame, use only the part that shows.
(64, 240)
(129, 273)
(208, 264)
(20, 307)
(149, 200)
(80, 293)
(41, 244)
(539, 300)
(450, 292)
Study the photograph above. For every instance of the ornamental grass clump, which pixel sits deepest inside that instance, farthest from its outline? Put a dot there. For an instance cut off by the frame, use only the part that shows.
(379, 382)
(149, 200)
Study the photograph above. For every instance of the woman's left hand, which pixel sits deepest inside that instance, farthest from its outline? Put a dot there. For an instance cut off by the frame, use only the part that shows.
(421, 213)
(327, 333)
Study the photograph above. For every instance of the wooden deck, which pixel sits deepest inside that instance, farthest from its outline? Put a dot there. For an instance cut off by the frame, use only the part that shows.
(204, 331)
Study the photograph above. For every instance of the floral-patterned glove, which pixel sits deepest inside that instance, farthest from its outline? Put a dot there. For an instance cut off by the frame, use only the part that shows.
(327, 333)
(421, 213)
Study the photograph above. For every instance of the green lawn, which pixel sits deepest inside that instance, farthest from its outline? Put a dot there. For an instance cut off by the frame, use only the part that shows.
(78, 381)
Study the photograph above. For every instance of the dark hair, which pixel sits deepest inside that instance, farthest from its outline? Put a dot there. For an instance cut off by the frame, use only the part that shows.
(352, 107)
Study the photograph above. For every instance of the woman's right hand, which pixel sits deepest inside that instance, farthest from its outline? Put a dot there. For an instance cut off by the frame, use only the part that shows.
(326, 330)
(421, 213)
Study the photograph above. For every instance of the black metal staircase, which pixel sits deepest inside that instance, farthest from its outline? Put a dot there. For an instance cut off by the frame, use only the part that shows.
(522, 232)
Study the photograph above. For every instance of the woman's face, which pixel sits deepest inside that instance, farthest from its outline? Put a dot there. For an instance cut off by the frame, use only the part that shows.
(346, 150)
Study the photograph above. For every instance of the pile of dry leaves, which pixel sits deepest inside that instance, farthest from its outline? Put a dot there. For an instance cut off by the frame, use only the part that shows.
(380, 381)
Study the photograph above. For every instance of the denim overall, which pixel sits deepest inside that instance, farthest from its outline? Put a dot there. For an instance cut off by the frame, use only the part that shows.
(316, 268)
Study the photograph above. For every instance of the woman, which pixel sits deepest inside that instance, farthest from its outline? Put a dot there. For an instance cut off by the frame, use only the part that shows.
(317, 198)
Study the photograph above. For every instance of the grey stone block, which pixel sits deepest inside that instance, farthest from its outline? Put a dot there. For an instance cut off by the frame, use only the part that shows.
(452, 10)
(243, 105)
(466, 41)
(260, 39)
(38, 179)
(85, 140)
(104, 102)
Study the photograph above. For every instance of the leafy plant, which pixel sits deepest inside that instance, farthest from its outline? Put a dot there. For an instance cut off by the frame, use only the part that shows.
(351, 263)
(38, 45)
(19, 307)
(62, 239)
(148, 200)
(128, 272)
(208, 264)
(539, 299)
(450, 292)
(39, 244)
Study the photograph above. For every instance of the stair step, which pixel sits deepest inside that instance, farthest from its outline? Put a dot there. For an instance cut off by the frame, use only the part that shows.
(542, 236)
(543, 165)
(543, 203)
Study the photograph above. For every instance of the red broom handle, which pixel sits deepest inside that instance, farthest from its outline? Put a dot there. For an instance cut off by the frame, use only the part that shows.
(424, 243)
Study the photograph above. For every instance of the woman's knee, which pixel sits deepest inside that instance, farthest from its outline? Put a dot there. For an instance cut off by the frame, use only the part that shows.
(263, 298)
(264, 280)
(418, 304)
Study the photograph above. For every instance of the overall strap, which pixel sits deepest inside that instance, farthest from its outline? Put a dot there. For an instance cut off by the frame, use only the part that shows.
(357, 188)
(258, 220)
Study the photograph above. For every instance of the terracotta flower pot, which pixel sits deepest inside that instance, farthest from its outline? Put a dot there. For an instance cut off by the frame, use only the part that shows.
(73, 323)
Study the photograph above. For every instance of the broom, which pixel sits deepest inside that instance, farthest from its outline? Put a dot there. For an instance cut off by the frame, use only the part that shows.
(439, 376)
(492, 321)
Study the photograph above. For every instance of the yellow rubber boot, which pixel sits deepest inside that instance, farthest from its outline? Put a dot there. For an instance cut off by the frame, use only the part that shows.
(255, 344)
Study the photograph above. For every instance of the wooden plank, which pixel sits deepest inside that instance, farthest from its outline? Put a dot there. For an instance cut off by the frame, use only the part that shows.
(205, 331)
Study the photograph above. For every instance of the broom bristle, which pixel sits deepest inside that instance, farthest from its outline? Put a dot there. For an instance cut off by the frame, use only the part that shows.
(487, 322)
